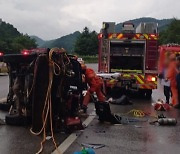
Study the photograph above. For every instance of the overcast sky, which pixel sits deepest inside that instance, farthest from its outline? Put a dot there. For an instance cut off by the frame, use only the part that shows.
(50, 19)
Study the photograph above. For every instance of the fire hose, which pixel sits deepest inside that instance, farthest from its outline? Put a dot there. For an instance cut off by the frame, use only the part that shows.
(47, 110)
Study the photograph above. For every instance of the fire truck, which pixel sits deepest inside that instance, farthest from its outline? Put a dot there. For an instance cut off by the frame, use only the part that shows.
(163, 51)
(133, 53)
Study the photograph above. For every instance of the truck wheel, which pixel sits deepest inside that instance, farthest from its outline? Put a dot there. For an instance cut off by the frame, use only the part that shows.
(148, 94)
(145, 93)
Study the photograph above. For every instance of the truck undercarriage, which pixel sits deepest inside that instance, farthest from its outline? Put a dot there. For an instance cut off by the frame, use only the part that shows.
(35, 80)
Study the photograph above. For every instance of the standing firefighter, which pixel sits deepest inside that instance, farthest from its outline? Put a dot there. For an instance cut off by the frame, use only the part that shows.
(95, 85)
(164, 80)
(171, 75)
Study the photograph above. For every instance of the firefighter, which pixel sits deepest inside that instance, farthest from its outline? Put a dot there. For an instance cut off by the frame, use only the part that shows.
(164, 81)
(95, 85)
(171, 75)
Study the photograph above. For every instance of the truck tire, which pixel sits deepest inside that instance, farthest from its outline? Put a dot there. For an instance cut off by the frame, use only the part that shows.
(145, 93)
(19, 58)
(148, 94)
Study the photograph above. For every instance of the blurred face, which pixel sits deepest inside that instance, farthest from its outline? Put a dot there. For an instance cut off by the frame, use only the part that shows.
(172, 57)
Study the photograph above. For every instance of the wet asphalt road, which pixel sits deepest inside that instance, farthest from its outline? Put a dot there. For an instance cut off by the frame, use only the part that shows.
(132, 138)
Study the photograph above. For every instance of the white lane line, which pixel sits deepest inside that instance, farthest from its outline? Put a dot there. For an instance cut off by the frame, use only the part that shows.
(68, 141)
(3, 99)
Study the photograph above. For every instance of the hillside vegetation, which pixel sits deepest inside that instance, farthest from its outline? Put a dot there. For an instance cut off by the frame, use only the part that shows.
(66, 42)
(12, 41)
(171, 34)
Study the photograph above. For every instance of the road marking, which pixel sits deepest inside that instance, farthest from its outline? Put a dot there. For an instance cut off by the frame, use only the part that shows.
(3, 99)
(68, 141)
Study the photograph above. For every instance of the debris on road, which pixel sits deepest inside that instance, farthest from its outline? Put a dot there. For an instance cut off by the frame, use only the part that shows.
(2, 122)
(160, 105)
(123, 100)
(85, 151)
(93, 146)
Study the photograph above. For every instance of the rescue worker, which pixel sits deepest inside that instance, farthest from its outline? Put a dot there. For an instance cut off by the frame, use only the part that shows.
(95, 85)
(178, 80)
(171, 75)
(164, 81)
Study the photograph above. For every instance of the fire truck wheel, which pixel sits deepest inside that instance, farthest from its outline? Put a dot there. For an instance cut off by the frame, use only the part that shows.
(148, 94)
(145, 93)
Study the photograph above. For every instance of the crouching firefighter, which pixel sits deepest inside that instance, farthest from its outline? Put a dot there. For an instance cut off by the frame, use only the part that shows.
(95, 86)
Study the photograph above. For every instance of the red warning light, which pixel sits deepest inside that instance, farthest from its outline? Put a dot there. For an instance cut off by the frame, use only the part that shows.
(1, 54)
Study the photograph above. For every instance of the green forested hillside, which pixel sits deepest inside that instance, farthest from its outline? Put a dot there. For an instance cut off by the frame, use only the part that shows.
(12, 41)
(38, 40)
(66, 42)
(171, 34)
(86, 43)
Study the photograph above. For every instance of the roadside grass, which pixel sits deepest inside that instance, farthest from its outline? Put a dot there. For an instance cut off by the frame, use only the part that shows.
(89, 59)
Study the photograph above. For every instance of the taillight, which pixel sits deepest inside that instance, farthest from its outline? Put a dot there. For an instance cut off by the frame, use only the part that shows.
(100, 36)
(150, 78)
(152, 35)
(153, 79)
(25, 53)
(1, 54)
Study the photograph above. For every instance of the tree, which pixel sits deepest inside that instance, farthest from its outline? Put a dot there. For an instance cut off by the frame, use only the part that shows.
(11, 41)
(171, 34)
(87, 43)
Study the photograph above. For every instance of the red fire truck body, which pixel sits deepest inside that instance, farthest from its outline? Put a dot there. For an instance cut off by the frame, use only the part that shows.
(133, 55)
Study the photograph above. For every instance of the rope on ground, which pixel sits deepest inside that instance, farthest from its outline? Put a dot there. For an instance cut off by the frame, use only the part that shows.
(136, 113)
